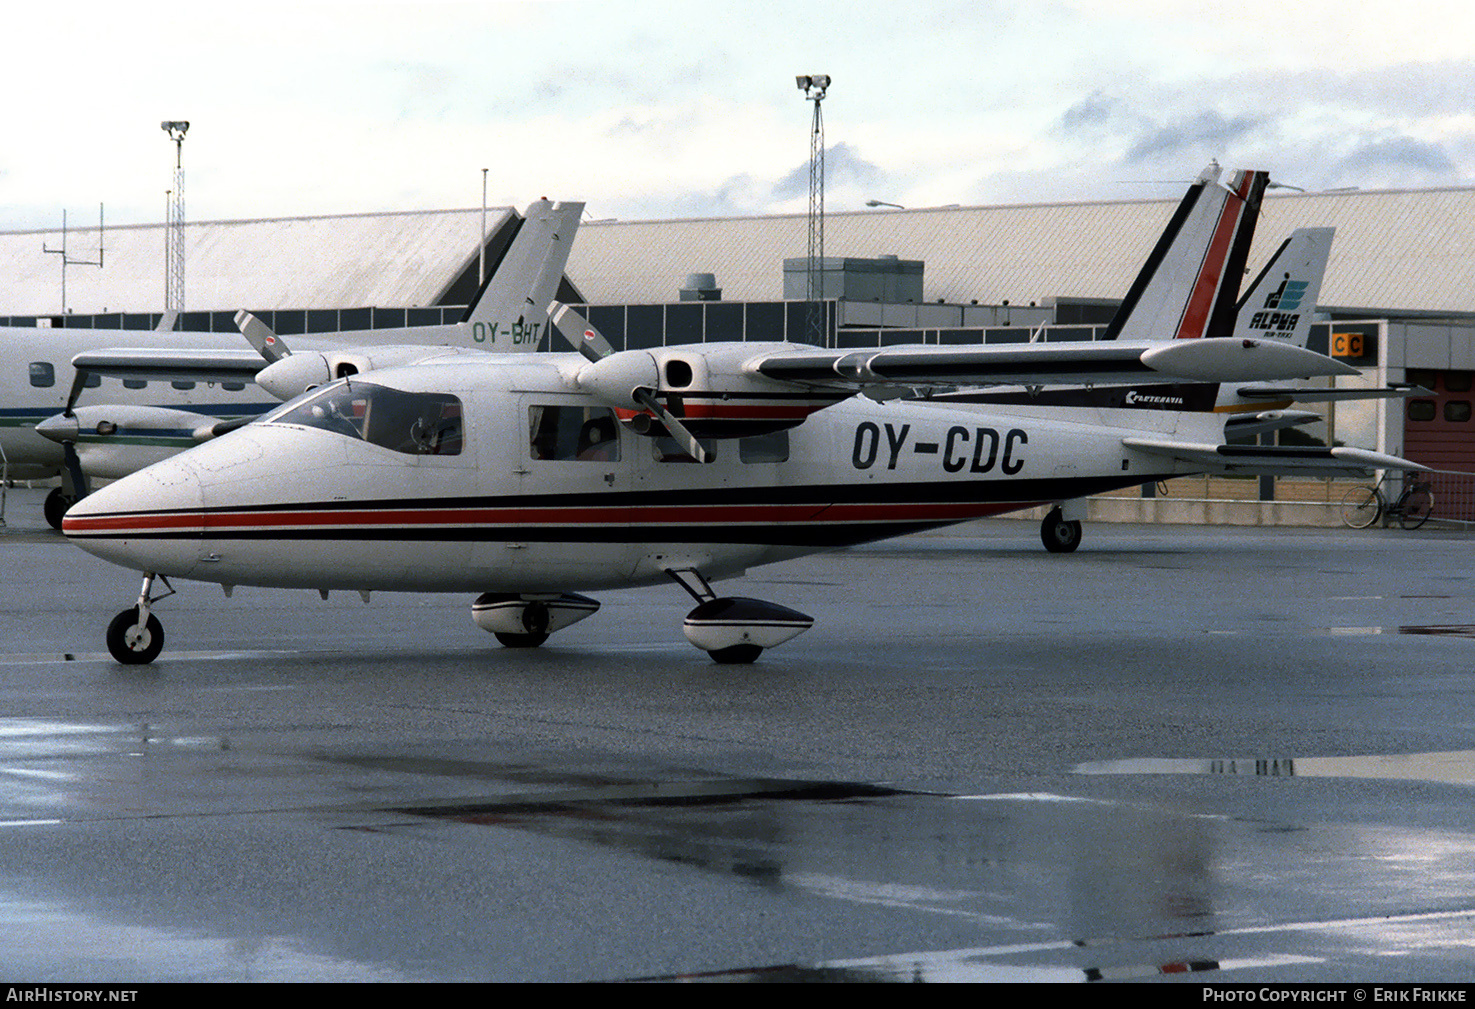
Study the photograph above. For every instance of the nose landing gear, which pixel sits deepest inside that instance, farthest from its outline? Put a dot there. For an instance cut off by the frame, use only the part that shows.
(135, 636)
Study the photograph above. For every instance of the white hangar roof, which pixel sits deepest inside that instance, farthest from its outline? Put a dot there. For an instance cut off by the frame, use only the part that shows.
(1396, 251)
(393, 259)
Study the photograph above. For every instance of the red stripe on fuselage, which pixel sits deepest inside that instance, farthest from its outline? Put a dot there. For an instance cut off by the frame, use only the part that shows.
(204, 524)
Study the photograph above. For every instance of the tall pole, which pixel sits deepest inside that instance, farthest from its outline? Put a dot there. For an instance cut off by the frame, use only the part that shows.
(814, 87)
(174, 226)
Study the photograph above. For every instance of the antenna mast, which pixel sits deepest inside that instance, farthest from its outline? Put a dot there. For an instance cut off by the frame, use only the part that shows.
(67, 261)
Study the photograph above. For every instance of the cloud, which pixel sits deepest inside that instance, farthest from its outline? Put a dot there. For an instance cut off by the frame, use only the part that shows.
(1089, 116)
(1396, 162)
(1191, 135)
(843, 167)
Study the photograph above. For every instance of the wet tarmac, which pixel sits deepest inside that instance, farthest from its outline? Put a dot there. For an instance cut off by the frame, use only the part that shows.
(1180, 754)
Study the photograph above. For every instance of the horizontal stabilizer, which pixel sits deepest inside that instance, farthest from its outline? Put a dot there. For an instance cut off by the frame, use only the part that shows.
(1302, 394)
(1253, 424)
(1274, 460)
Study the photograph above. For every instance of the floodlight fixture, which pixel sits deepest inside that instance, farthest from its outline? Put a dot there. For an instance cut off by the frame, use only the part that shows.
(813, 85)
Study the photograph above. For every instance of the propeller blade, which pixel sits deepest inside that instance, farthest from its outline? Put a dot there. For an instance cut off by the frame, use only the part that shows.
(576, 330)
(674, 427)
(259, 335)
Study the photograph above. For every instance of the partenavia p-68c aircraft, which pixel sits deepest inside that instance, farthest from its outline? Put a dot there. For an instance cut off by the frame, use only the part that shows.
(182, 388)
(531, 478)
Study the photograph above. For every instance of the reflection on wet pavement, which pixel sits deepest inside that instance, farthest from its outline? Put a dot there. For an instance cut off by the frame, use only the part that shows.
(1454, 767)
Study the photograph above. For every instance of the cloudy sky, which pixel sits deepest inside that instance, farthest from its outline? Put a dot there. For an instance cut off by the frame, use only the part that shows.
(648, 109)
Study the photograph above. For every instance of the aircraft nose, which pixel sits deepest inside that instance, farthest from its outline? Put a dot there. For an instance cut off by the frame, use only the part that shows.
(150, 521)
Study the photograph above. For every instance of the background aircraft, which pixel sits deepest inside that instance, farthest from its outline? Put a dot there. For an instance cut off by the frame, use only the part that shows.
(178, 389)
(529, 479)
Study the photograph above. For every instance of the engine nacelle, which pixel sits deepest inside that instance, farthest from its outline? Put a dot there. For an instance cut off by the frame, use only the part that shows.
(709, 389)
(296, 373)
(114, 440)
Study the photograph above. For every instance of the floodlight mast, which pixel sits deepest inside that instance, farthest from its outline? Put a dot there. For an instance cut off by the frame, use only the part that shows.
(814, 87)
(174, 226)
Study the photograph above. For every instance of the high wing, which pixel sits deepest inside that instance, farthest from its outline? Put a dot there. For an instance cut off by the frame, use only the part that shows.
(1214, 359)
(192, 364)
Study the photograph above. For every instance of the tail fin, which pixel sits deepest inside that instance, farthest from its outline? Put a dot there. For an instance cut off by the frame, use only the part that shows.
(510, 311)
(1280, 302)
(1187, 287)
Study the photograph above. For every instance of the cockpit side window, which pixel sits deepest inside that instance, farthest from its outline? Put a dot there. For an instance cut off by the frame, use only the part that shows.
(414, 423)
(587, 434)
(43, 374)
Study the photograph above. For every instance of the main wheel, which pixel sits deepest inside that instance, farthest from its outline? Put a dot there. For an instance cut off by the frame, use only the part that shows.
(520, 640)
(1418, 507)
(56, 505)
(736, 655)
(1361, 507)
(1058, 535)
(132, 644)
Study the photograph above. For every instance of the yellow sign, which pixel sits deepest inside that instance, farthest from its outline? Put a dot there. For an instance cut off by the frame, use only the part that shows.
(1347, 344)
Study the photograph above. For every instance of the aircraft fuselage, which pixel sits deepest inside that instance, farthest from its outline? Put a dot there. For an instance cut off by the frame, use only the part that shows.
(505, 496)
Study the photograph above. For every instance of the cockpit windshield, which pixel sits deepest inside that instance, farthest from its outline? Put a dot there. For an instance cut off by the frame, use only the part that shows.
(415, 423)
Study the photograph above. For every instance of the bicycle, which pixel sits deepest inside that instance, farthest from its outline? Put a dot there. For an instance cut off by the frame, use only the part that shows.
(1362, 506)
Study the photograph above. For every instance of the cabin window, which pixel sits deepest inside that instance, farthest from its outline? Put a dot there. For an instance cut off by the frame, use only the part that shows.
(585, 434)
(182, 384)
(43, 375)
(668, 449)
(92, 381)
(233, 386)
(414, 423)
(135, 383)
(1421, 409)
(771, 447)
(1457, 411)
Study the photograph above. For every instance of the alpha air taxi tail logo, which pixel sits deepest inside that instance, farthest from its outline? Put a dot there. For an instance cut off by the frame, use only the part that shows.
(1287, 297)
(1280, 315)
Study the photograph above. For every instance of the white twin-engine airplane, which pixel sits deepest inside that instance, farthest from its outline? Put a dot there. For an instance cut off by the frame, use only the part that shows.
(530, 478)
(182, 388)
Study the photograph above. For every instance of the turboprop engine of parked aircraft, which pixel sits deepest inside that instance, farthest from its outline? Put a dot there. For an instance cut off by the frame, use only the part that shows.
(531, 479)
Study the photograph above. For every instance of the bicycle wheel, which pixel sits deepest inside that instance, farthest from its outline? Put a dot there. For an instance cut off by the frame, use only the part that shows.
(1361, 507)
(1417, 507)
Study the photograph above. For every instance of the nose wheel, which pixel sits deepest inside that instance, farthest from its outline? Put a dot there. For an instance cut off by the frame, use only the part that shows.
(135, 637)
(132, 642)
